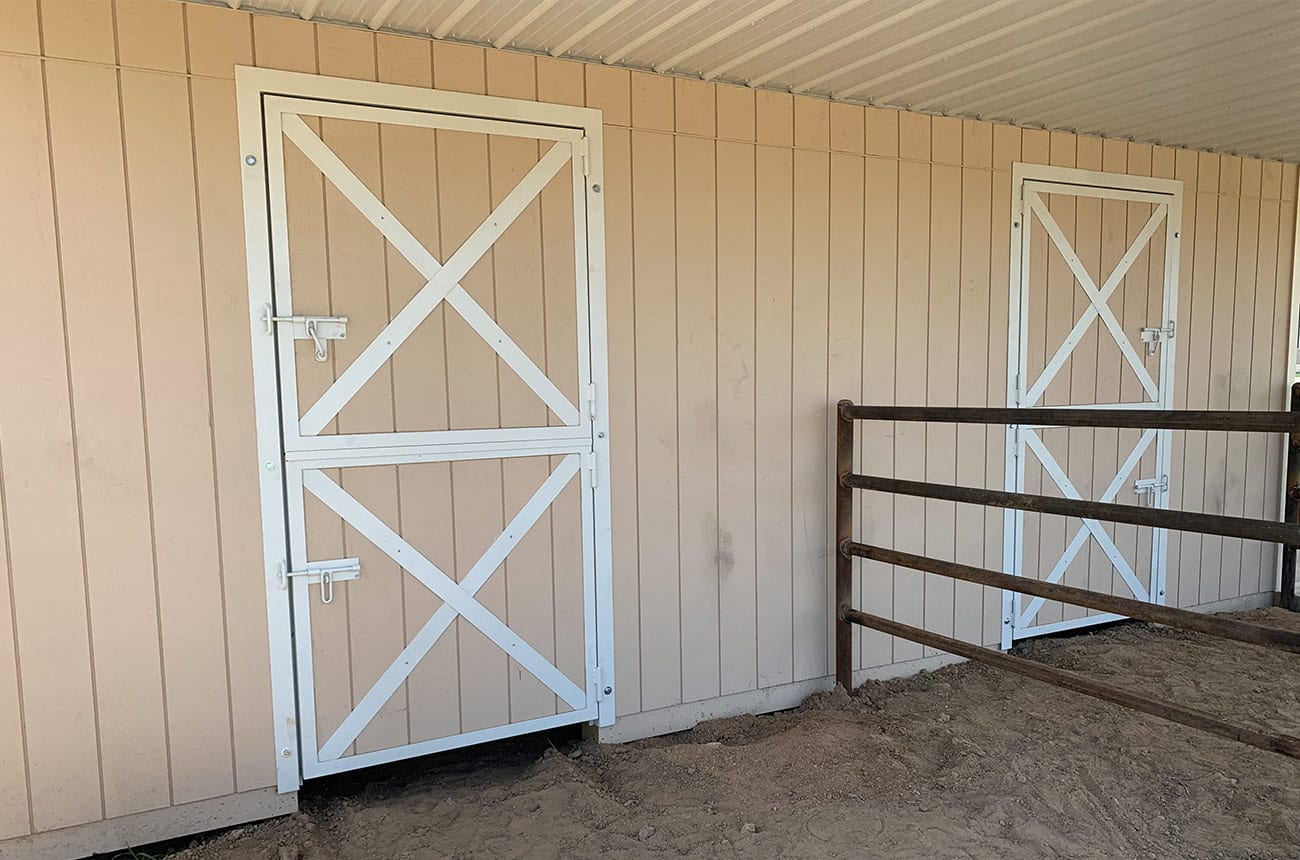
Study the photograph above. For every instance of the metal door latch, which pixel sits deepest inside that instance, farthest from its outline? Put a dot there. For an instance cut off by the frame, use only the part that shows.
(1149, 487)
(317, 329)
(325, 574)
(1153, 336)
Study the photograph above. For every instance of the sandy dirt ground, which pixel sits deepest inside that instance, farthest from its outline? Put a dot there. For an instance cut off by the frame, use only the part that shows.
(964, 762)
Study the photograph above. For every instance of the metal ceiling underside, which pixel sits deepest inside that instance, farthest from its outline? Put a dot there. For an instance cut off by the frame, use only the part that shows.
(1207, 74)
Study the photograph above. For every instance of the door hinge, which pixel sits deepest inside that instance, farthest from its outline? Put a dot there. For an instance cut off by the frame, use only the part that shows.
(324, 574)
(591, 400)
(317, 329)
(582, 147)
(1150, 487)
(1153, 336)
(604, 683)
(592, 468)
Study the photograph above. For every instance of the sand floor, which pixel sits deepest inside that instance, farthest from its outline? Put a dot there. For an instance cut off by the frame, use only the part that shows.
(964, 762)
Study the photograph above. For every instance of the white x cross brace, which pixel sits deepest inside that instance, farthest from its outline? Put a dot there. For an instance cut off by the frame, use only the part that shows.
(442, 281)
(1090, 527)
(458, 598)
(1098, 299)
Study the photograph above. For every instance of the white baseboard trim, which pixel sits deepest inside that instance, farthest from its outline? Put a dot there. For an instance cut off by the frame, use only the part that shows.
(144, 828)
(677, 718)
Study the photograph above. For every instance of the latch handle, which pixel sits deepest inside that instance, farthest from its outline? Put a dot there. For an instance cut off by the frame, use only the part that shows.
(317, 329)
(1153, 336)
(324, 573)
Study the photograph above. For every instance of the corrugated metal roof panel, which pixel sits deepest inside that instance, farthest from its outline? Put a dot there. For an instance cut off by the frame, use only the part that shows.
(1209, 74)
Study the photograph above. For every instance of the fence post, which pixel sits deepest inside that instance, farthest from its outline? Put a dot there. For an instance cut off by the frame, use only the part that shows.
(1290, 507)
(843, 534)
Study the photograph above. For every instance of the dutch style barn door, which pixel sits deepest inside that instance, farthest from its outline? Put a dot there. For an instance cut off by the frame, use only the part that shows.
(1094, 271)
(428, 318)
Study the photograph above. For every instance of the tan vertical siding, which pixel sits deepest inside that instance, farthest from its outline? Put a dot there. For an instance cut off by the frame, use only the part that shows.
(174, 358)
(695, 160)
(46, 578)
(767, 255)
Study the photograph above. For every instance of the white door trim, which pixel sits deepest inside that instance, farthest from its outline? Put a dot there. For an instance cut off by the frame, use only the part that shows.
(1029, 182)
(571, 128)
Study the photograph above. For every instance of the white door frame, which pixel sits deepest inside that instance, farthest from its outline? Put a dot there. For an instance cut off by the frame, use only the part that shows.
(253, 88)
(1028, 180)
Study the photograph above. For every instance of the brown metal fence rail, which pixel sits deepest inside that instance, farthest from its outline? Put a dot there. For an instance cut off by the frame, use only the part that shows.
(1286, 533)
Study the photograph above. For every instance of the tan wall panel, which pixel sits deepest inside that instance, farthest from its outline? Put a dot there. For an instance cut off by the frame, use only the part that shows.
(150, 34)
(737, 625)
(225, 296)
(15, 813)
(174, 355)
(773, 366)
(879, 368)
(697, 387)
(21, 33)
(78, 31)
(217, 40)
(657, 490)
(810, 410)
(103, 348)
(751, 283)
(46, 579)
(845, 306)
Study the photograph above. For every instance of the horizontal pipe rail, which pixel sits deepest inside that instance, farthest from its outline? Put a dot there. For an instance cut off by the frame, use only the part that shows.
(1210, 524)
(1142, 419)
(1227, 628)
(1265, 740)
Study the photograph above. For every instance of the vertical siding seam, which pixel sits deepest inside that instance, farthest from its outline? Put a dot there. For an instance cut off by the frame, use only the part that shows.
(490, 258)
(790, 380)
(1214, 256)
(546, 365)
(858, 526)
(990, 431)
(927, 579)
(212, 436)
(636, 447)
(1221, 478)
(76, 454)
(1255, 329)
(677, 407)
(392, 397)
(893, 435)
(824, 533)
(956, 353)
(446, 387)
(144, 421)
(4, 509)
(1244, 441)
(1288, 254)
(717, 403)
(754, 364)
(827, 470)
(1221, 481)
(1269, 445)
(13, 621)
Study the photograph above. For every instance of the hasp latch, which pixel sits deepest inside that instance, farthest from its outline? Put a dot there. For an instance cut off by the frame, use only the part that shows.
(324, 574)
(317, 329)
(1153, 336)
